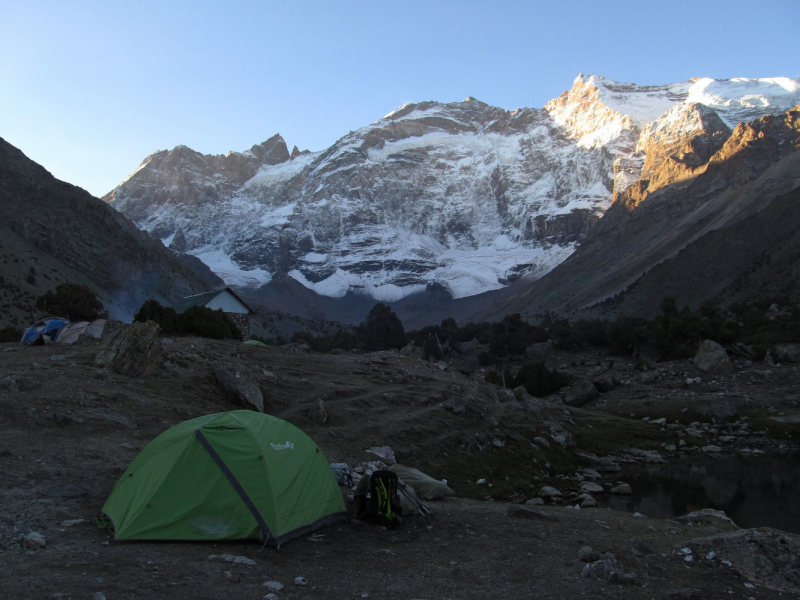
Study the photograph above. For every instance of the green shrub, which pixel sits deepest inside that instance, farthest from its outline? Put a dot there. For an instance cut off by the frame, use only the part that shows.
(204, 322)
(197, 320)
(75, 301)
(10, 334)
(539, 380)
(502, 377)
(432, 348)
(513, 335)
(165, 316)
(382, 329)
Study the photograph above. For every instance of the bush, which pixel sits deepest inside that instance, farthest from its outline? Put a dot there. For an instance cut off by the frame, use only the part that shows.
(75, 301)
(382, 329)
(165, 316)
(539, 380)
(204, 322)
(197, 320)
(513, 335)
(10, 334)
(432, 348)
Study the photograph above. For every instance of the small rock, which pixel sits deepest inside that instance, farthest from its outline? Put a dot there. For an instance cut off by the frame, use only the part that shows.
(622, 488)
(274, 586)
(581, 395)
(590, 474)
(271, 596)
(232, 558)
(548, 491)
(481, 482)
(57, 357)
(542, 442)
(648, 377)
(589, 487)
(587, 555)
(9, 384)
(712, 448)
(99, 596)
(300, 581)
(535, 502)
(587, 501)
(529, 513)
(686, 594)
(34, 540)
(231, 577)
(609, 568)
(456, 406)
(72, 522)
(318, 413)
(384, 452)
(661, 421)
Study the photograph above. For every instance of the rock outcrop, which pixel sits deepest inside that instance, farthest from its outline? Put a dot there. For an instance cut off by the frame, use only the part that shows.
(238, 380)
(726, 233)
(132, 350)
(712, 358)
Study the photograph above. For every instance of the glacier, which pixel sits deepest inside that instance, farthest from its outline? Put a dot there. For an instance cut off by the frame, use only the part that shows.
(463, 194)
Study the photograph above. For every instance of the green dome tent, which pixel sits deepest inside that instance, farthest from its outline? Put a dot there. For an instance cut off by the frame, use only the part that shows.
(233, 475)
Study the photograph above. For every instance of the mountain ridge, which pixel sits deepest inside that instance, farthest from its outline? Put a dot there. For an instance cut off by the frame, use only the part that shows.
(52, 232)
(462, 195)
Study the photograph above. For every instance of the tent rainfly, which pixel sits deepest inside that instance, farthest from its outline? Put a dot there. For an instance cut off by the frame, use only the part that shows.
(227, 476)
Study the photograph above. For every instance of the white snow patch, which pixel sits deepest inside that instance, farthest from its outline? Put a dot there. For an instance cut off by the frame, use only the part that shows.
(278, 216)
(313, 257)
(274, 174)
(743, 99)
(221, 263)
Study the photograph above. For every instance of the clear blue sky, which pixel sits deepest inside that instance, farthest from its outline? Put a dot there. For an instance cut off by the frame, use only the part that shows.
(88, 89)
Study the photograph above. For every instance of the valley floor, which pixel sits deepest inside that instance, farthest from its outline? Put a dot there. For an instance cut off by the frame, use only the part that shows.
(70, 428)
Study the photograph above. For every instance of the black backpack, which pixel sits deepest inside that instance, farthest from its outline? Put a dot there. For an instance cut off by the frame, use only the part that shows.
(383, 503)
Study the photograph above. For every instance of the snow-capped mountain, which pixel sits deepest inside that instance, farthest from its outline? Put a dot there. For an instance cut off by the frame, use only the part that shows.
(463, 194)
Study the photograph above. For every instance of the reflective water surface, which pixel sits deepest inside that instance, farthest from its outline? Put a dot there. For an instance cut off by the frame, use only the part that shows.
(754, 491)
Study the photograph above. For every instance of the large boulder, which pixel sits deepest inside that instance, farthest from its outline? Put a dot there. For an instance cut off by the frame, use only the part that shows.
(607, 382)
(712, 358)
(581, 394)
(788, 352)
(235, 378)
(132, 350)
(767, 557)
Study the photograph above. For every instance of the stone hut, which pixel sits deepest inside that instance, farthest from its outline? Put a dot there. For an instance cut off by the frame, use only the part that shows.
(225, 299)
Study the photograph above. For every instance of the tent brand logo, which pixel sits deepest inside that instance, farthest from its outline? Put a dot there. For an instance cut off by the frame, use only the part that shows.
(286, 446)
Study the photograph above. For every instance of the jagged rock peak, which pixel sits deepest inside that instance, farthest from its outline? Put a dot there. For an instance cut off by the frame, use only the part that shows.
(273, 151)
(462, 194)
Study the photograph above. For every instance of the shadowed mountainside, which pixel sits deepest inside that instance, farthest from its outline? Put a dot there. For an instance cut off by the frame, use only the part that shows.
(52, 232)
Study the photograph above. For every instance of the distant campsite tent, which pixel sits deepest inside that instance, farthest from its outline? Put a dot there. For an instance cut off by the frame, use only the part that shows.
(232, 475)
(49, 327)
(70, 333)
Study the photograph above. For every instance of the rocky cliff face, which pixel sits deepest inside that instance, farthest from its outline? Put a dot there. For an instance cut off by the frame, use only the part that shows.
(52, 232)
(722, 228)
(464, 195)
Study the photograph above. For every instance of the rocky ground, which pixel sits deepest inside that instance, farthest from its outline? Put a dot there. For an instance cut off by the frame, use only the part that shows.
(71, 426)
